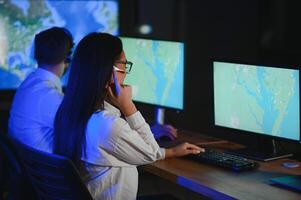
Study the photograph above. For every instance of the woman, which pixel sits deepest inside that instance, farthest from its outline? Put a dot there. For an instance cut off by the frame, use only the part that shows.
(89, 128)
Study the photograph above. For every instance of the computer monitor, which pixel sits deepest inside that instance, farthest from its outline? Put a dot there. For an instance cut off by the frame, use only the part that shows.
(20, 20)
(157, 76)
(263, 100)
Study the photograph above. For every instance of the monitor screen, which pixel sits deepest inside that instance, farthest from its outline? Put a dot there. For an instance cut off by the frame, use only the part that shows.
(260, 99)
(20, 20)
(157, 75)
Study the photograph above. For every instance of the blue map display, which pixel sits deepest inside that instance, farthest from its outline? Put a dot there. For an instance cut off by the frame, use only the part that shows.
(20, 20)
(157, 76)
(259, 99)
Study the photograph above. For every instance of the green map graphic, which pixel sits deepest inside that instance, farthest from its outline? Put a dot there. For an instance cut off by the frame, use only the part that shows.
(157, 74)
(257, 99)
(20, 20)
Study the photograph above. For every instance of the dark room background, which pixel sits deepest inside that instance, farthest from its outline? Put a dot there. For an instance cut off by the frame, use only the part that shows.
(252, 31)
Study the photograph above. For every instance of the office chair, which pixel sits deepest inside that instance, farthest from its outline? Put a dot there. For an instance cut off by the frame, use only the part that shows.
(14, 182)
(53, 176)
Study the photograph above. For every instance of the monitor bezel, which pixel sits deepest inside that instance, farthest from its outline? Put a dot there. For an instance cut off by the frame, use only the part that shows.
(245, 132)
(184, 73)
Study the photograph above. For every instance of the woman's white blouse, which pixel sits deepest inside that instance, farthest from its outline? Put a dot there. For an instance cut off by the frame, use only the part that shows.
(114, 147)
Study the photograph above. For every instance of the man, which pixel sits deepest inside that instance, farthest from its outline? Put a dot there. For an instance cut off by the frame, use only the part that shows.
(40, 94)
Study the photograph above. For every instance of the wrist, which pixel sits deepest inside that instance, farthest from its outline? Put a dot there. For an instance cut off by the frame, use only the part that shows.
(169, 153)
(128, 109)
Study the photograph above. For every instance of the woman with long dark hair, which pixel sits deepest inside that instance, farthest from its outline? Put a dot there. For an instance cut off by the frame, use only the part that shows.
(89, 128)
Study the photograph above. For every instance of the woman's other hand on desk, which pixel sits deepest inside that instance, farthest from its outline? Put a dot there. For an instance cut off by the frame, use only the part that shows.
(183, 150)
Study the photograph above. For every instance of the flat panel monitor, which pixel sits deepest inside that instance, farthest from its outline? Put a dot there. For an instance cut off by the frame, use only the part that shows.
(260, 99)
(20, 20)
(157, 76)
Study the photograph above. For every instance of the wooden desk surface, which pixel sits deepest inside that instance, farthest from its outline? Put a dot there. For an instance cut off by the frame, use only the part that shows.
(218, 183)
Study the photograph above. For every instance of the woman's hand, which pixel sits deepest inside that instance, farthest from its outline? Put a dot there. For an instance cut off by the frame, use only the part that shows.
(122, 98)
(183, 150)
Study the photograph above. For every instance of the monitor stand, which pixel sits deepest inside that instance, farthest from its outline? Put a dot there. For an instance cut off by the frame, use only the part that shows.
(261, 156)
(160, 114)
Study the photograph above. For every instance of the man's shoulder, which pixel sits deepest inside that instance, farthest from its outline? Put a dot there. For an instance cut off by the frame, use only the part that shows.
(41, 79)
(36, 91)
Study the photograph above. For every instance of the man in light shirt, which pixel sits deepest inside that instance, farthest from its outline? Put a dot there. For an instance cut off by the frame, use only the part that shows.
(40, 94)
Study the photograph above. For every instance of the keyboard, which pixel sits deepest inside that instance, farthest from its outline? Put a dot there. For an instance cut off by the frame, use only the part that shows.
(225, 160)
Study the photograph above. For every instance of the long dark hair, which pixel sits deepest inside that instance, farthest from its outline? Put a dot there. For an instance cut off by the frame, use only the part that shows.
(90, 72)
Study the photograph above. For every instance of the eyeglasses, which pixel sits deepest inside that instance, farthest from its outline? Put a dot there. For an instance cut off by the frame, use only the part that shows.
(128, 66)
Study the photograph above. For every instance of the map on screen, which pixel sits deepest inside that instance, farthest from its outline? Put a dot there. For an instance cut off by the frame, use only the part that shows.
(20, 20)
(157, 76)
(258, 99)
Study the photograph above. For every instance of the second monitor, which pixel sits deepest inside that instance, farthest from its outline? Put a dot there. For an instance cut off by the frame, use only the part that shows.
(157, 76)
(257, 99)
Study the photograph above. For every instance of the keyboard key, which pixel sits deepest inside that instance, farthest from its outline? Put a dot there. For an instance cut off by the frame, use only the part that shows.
(226, 160)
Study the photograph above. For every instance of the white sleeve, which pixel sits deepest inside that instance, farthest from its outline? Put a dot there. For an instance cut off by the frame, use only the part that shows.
(134, 141)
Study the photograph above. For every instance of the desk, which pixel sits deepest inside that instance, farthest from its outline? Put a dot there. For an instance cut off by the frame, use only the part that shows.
(218, 183)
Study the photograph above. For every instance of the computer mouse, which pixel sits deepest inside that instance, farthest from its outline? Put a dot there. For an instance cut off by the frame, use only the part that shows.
(290, 164)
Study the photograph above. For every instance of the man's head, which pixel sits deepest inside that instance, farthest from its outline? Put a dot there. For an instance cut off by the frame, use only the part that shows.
(53, 46)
